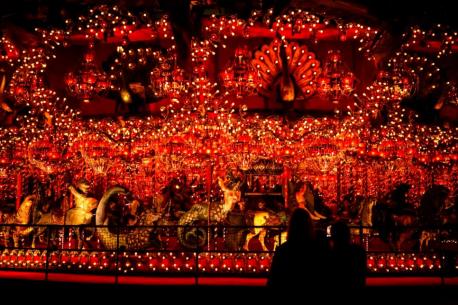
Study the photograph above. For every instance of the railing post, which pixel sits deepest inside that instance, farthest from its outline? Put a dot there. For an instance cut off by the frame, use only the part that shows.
(196, 274)
(443, 260)
(117, 254)
(47, 252)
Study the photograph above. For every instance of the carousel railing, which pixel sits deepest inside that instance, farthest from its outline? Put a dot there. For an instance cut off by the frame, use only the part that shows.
(58, 251)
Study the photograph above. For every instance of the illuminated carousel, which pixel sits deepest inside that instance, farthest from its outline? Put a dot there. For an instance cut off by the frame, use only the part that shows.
(129, 146)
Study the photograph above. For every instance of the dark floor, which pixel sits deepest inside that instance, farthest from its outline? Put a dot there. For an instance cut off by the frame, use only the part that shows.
(68, 293)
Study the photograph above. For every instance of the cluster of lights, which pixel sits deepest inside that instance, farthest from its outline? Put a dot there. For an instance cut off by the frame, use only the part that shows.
(404, 263)
(201, 51)
(8, 51)
(336, 79)
(89, 80)
(104, 22)
(28, 77)
(156, 262)
(439, 40)
(171, 262)
(133, 59)
(49, 116)
(449, 97)
(17, 259)
(206, 136)
(295, 23)
(240, 75)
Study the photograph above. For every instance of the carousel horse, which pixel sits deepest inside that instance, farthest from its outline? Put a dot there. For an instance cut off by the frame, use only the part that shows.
(304, 198)
(199, 212)
(393, 219)
(137, 238)
(177, 197)
(433, 213)
(261, 219)
(365, 212)
(23, 216)
(81, 214)
(364, 215)
(54, 216)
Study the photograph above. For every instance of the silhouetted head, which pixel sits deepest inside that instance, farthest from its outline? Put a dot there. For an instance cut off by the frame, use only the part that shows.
(340, 233)
(300, 227)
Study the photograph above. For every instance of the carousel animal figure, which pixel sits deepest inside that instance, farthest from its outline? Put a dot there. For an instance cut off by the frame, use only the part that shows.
(304, 198)
(263, 218)
(199, 212)
(365, 213)
(433, 211)
(81, 214)
(54, 216)
(362, 214)
(361, 224)
(137, 238)
(177, 197)
(393, 218)
(350, 206)
(23, 216)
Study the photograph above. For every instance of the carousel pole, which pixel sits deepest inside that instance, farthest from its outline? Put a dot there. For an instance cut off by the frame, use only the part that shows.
(366, 193)
(18, 190)
(365, 239)
(209, 185)
(339, 182)
(286, 176)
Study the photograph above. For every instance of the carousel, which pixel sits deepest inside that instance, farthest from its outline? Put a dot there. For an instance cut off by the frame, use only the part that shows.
(177, 141)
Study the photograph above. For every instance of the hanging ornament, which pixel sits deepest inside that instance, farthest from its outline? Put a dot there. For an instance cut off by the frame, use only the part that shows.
(291, 65)
(89, 80)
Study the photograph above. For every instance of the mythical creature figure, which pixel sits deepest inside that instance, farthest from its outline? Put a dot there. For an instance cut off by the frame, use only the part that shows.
(138, 238)
(196, 237)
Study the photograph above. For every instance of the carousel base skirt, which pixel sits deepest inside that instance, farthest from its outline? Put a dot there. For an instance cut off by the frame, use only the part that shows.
(208, 281)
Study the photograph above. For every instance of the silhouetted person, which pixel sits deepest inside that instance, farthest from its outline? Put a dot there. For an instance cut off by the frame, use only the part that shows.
(299, 264)
(348, 261)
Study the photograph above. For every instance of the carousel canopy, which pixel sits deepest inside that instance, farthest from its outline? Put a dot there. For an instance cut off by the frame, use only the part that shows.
(382, 42)
(238, 80)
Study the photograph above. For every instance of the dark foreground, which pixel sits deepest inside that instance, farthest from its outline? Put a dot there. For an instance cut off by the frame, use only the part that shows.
(40, 292)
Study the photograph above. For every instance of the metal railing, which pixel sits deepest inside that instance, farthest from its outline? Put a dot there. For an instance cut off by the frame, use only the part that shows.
(58, 252)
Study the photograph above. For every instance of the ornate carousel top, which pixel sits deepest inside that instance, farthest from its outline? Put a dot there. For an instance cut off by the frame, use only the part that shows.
(127, 92)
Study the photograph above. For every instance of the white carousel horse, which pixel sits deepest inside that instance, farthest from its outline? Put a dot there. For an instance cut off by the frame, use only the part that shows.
(260, 220)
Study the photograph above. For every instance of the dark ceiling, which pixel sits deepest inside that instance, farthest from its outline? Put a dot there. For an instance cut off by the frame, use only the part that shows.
(396, 14)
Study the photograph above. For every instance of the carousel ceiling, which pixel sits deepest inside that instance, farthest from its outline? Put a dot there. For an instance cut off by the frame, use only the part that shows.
(207, 77)
(132, 89)
(389, 44)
